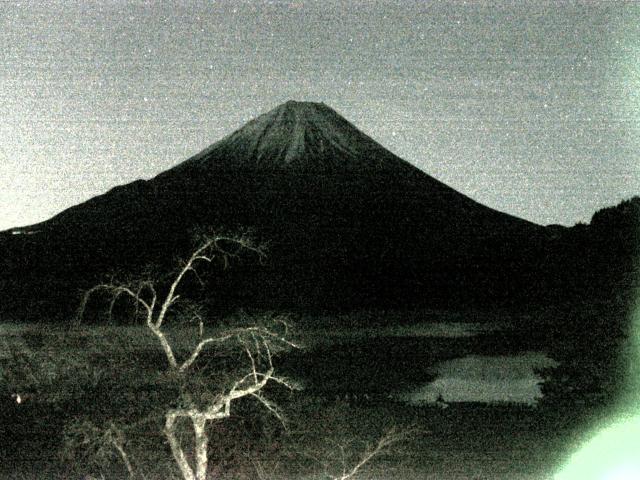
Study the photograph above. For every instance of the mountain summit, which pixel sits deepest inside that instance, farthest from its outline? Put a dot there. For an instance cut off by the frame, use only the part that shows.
(300, 136)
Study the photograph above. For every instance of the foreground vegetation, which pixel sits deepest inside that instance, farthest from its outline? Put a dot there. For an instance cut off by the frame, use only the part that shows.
(83, 385)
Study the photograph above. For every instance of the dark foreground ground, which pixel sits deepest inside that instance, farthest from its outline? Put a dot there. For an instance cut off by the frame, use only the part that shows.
(462, 442)
(329, 424)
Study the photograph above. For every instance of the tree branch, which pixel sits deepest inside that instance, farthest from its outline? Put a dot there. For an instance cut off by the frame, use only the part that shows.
(391, 437)
(116, 438)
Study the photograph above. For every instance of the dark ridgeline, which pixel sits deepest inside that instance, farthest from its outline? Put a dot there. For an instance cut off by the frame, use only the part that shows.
(349, 225)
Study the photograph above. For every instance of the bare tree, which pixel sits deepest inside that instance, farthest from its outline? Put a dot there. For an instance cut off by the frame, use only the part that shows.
(347, 461)
(386, 441)
(155, 302)
(100, 443)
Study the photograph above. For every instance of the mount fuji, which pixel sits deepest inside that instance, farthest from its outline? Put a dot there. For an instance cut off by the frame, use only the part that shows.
(348, 223)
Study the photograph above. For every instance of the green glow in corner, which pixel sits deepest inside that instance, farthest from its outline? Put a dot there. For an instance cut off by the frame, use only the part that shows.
(613, 453)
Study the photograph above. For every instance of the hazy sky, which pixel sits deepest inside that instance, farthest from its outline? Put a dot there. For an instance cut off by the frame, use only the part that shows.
(532, 108)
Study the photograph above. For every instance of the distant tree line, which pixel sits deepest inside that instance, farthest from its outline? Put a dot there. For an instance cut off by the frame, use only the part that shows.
(591, 330)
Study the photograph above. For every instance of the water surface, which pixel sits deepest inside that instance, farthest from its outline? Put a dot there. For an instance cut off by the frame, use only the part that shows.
(488, 379)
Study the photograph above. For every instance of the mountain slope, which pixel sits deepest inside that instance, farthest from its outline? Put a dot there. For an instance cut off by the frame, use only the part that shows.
(349, 223)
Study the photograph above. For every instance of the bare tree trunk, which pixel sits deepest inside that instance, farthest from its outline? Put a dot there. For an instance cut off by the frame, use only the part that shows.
(201, 444)
(176, 449)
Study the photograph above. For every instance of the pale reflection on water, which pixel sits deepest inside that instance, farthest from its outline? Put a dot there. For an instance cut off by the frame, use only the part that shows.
(489, 379)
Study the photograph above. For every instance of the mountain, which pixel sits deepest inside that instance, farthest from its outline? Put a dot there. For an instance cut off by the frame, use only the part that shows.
(301, 136)
(349, 225)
